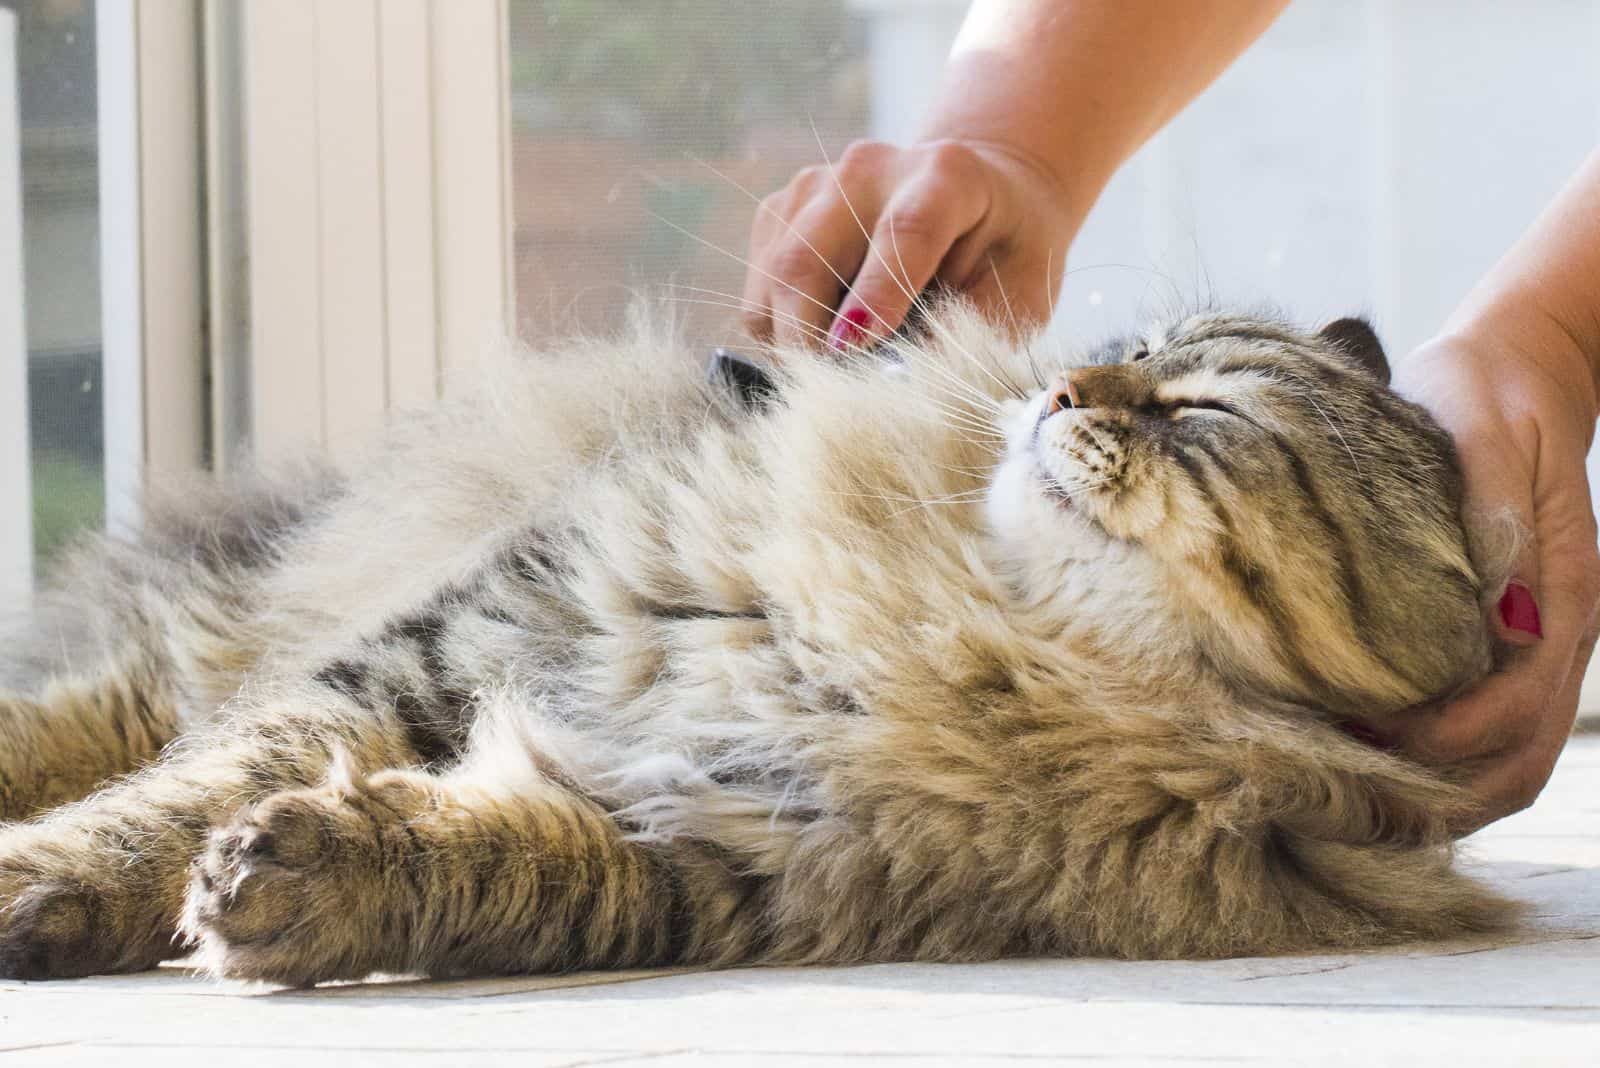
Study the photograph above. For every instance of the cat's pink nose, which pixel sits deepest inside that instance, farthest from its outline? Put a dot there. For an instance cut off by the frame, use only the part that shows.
(1064, 395)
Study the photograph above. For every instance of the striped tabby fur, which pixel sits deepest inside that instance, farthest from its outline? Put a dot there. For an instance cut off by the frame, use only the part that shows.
(594, 667)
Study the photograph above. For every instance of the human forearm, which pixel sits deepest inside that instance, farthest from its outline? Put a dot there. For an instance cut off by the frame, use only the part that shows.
(1542, 299)
(1077, 86)
(1040, 104)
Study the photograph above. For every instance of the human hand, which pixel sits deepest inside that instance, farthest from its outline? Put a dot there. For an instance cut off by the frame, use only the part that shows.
(1521, 426)
(841, 252)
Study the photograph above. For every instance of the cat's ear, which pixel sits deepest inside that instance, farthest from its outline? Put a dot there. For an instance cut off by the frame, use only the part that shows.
(1356, 339)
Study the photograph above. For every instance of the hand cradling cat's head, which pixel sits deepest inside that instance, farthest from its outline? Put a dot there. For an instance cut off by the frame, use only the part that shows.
(1295, 517)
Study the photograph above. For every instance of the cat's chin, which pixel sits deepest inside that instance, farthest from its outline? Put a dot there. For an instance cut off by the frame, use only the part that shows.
(1035, 517)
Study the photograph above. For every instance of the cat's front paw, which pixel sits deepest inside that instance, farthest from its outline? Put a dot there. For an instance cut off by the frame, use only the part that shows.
(291, 891)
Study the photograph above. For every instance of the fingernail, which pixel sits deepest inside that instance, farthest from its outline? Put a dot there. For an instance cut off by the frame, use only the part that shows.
(849, 329)
(1363, 733)
(1519, 611)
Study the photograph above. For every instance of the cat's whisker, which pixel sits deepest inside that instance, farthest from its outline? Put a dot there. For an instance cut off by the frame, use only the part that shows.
(968, 418)
(762, 206)
(965, 497)
(1005, 299)
(918, 302)
(1077, 488)
(1027, 350)
(741, 306)
(914, 503)
(897, 513)
(1337, 426)
(968, 393)
(1338, 432)
(1310, 389)
(966, 415)
(713, 246)
(953, 387)
(929, 362)
(1050, 290)
(953, 419)
(968, 472)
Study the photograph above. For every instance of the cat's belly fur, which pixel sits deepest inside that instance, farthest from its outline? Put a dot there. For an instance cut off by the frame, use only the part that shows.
(648, 690)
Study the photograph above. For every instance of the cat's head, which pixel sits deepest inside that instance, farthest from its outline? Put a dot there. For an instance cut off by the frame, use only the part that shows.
(1265, 488)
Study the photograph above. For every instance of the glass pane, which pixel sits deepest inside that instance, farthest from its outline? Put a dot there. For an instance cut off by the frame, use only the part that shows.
(623, 115)
(60, 219)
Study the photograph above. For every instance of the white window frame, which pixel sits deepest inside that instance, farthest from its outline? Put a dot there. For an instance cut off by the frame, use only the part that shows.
(152, 255)
(16, 496)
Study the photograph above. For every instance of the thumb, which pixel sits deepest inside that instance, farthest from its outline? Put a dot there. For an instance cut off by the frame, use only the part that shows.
(1501, 517)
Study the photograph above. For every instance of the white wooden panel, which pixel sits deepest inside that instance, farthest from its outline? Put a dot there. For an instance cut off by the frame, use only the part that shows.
(16, 497)
(379, 208)
(227, 233)
(350, 186)
(472, 176)
(170, 242)
(408, 191)
(121, 297)
(284, 210)
(150, 246)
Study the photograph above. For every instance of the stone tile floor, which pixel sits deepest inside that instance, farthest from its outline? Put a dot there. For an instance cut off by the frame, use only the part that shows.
(1533, 998)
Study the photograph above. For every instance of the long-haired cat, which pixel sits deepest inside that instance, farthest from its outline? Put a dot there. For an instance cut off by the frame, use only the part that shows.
(600, 665)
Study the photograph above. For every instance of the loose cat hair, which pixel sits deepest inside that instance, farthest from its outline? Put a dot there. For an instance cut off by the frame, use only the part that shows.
(981, 649)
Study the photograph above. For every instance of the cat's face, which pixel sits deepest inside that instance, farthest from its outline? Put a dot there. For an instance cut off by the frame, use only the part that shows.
(1293, 516)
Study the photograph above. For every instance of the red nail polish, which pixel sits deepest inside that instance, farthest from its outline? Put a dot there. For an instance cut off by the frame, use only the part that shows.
(1363, 733)
(1519, 611)
(849, 329)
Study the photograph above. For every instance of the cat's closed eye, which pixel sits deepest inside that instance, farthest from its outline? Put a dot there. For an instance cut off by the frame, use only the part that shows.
(1178, 409)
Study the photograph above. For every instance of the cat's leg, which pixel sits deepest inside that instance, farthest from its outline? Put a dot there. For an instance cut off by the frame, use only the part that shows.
(98, 886)
(406, 872)
(130, 636)
(77, 734)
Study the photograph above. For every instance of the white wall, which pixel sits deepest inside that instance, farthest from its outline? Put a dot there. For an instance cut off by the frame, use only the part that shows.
(1372, 157)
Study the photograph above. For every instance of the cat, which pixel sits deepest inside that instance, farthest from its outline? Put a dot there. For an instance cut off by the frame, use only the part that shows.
(980, 650)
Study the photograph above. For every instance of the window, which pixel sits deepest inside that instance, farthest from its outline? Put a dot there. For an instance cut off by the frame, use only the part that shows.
(640, 132)
(53, 92)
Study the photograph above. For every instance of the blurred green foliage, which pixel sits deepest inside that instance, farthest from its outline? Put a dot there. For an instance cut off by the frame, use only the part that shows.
(68, 497)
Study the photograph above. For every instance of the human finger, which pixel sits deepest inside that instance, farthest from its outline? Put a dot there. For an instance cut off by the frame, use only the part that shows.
(822, 249)
(924, 218)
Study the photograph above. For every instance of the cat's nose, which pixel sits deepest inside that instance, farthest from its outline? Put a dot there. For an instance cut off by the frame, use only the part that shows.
(1097, 387)
(1062, 396)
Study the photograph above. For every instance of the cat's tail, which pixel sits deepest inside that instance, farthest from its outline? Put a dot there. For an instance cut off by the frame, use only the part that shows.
(130, 634)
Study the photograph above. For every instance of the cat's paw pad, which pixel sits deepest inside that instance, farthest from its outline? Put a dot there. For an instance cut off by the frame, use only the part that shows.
(272, 895)
(66, 912)
(82, 897)
(47, 931)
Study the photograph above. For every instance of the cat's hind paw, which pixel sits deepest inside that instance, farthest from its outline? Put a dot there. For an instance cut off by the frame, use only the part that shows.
(60, 919)
(47, 932)
(294, 889)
